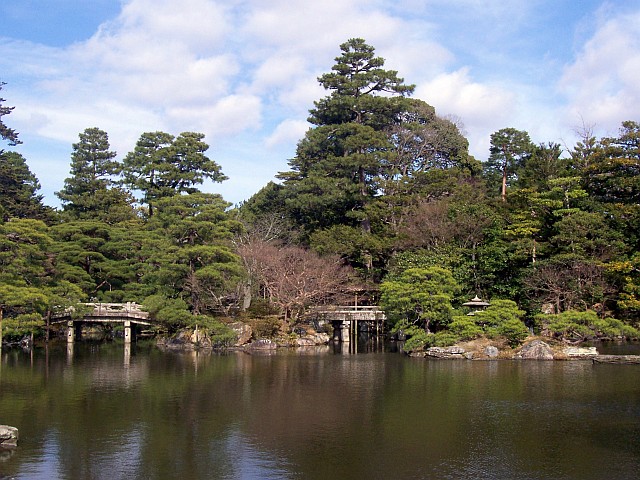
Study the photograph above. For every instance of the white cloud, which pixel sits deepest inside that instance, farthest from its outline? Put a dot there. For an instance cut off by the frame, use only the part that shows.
(601, 85)
(231, 115)
(197, 24)
(279, 71)
(245, 72)
(482, 108)
(287, 132)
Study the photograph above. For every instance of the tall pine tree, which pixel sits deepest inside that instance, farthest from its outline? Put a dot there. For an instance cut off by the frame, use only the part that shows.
(90, 193)
(333, 175)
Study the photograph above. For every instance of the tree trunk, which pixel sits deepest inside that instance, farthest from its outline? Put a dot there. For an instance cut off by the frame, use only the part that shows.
(365, 223)
(533, 252)
(504, 182)
(246, 296)
(46, 333)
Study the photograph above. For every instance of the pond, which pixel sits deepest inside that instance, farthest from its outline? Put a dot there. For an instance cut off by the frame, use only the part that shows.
(103, 411)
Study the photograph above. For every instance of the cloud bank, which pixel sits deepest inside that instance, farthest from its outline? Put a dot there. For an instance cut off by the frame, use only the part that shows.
(244, 73)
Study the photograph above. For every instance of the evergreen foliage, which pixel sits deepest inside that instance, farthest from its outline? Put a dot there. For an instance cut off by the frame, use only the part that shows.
(18, 190)
(6, 133)
(90, 192)
(162, 166)
(379, 184)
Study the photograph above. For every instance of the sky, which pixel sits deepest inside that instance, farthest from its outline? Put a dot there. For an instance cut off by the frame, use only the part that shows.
(244, 72)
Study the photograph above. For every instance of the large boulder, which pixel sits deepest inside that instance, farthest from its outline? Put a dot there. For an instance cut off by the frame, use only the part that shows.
(181, 341)
(491, 351)
(312, 339)
(261, 345)
(535, 350)
(446, 352)
(8, 436)
(580, 352)
(242, 331)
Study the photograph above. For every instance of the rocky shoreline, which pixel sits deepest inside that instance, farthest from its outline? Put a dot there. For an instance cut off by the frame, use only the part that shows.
(197, 340)
(534, 349)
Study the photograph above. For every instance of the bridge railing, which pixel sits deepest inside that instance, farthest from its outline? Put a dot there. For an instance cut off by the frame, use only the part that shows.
(98, 309)
(345, 308)
(347, 313)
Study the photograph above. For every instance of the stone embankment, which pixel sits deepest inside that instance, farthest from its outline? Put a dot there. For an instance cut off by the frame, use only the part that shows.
(197, 340)
(535, 349)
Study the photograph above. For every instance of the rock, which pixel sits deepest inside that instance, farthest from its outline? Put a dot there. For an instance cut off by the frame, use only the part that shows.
(197, 336)
(619, 359)
(491, 351)
(418, 354)
(580, 352)
(205, 342)
(319, 338)
(535, 350)
(263, 344)
(305, 342)
(548, 308)
(8, 436)
(446, 352)
(243, 331)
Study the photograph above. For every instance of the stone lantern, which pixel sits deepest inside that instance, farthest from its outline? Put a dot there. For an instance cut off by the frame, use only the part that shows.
(476, 304)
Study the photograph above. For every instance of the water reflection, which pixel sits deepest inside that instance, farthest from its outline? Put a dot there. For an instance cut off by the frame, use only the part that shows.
(102, 411)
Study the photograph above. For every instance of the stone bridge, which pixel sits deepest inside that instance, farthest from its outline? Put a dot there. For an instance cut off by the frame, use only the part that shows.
(129, 314)
(349, 320)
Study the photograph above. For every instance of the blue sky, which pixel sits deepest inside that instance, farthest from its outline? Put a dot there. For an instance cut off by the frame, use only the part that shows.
(244, 72)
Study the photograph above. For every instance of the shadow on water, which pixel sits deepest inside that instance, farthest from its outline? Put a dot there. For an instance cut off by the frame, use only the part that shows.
(366, 343)
(616, 347)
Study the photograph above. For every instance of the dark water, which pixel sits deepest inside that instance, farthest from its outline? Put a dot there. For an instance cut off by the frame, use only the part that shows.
(103, 413)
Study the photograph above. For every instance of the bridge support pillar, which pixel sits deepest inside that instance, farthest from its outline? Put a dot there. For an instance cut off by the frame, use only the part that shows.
(128, 331)
(345, 331)
(70, 333)
(74, 331)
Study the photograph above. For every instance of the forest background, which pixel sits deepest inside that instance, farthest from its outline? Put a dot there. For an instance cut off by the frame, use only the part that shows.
(382, 200)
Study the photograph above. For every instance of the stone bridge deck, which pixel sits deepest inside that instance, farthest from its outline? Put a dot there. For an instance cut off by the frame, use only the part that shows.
(108, 312)
(349, 313)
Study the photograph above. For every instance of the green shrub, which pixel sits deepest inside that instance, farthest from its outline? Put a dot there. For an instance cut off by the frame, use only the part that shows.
(17, 327)
(417, 341)
(514, 331)
(261, 307)
(575, 325)
(421, 340)
(503, 318)
(219, 333)
(172, 312)
(443, 338)
(266, 327)
(464, 328)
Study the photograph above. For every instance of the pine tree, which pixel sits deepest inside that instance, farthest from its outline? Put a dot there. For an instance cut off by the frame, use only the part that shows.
(161, 166)
(333, 175)
(90, 193)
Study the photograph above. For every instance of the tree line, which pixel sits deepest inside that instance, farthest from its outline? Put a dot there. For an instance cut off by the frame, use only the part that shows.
(382, 200)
